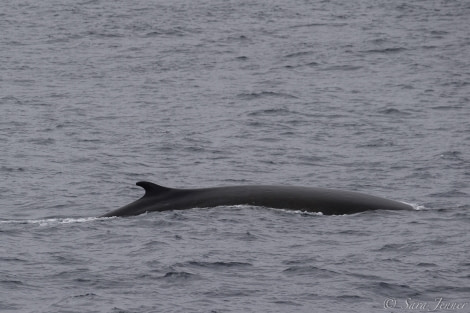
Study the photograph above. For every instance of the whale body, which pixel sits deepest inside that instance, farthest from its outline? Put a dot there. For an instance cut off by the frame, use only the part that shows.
(326, 201)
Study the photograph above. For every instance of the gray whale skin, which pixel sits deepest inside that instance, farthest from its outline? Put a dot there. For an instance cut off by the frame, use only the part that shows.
(326, 201)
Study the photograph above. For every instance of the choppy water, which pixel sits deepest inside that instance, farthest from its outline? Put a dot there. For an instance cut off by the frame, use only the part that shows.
(371, 96)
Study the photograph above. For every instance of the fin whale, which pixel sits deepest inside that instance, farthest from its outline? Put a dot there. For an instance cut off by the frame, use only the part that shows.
(326, 201)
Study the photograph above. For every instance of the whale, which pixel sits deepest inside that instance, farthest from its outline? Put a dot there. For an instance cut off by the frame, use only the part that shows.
(306, 199)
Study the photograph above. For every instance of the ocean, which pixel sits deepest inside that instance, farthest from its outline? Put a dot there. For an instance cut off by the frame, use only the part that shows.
(362, 95)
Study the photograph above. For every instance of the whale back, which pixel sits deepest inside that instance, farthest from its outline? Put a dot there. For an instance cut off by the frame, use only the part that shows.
(327, 201)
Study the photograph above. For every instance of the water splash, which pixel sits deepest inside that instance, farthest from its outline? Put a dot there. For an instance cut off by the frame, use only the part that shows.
(416, 207)
(54, 221)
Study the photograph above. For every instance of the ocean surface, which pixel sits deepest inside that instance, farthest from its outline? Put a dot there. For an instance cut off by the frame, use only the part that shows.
(363, 95)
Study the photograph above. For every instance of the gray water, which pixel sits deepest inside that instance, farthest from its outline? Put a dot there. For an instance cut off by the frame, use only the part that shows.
(370, 96)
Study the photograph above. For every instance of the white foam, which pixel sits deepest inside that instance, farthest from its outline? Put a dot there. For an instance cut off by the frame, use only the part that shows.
(415, 206)
(300, 212)
(52, 221)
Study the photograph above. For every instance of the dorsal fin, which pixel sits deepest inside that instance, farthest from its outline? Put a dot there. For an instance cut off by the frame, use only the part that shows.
(152, 189)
